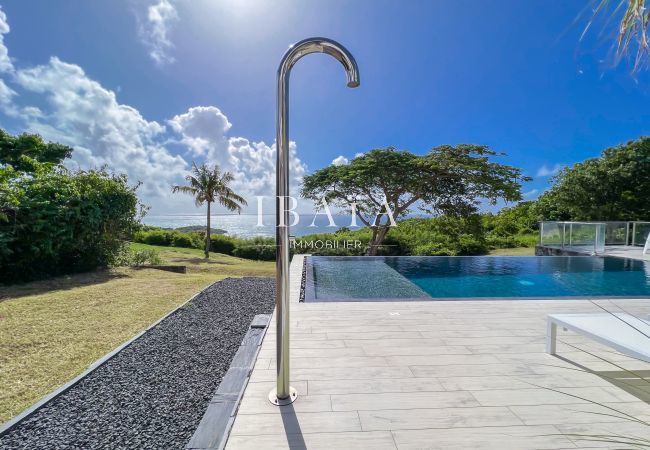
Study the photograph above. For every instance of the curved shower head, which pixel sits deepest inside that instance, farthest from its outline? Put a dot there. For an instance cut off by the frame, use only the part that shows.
(320, 45)
(284, 394)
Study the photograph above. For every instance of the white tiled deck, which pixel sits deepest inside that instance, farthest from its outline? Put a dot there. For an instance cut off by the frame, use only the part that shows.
(441, 375)
(626, 251)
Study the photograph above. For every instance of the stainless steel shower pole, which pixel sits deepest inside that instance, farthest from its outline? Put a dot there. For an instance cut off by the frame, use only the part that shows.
(284, 394)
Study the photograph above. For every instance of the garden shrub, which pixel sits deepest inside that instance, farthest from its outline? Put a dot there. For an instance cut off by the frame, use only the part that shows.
(136, 258)
(187, 240)
(168, 238)
(511, 227)
(222, 244)
(259, 248)
(65, 222)
(155, 237)
(443, 235)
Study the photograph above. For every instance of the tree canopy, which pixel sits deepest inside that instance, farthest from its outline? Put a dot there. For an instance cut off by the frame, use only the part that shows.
(53, 220)
(26, 152)
(446, 180)
(614, 186)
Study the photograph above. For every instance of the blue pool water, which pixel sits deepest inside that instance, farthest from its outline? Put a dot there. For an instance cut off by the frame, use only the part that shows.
(334, 278)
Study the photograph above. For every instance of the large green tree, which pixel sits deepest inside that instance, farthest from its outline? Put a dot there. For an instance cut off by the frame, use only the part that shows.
(208, 185)
(614, 186)
(55, 221)
(446, 180)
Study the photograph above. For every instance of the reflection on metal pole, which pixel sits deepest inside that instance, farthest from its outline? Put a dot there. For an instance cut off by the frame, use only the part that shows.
(284, 394)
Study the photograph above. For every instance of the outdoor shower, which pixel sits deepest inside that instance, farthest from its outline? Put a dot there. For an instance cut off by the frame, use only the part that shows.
(284, 394)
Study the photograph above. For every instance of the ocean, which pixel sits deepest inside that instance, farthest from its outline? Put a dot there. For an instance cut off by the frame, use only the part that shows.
(245, 225)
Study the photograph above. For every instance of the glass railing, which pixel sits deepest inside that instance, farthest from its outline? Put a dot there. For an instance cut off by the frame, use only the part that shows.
(587, 237)
(592, 237)
(639, 233)
(617, 233)
(551, 234)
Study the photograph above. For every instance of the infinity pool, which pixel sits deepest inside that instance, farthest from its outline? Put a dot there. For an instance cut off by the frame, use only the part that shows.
(337, 278)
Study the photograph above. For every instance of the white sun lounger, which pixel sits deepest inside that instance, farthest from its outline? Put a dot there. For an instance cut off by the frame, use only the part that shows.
(622, 332)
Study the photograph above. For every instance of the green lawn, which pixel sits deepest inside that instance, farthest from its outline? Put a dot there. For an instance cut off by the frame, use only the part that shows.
(51, 330)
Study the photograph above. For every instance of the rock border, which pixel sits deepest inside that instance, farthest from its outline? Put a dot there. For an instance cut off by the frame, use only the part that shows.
(214, 429)
(29, 411)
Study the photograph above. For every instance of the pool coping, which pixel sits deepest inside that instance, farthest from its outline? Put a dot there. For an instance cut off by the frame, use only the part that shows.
(30, 410)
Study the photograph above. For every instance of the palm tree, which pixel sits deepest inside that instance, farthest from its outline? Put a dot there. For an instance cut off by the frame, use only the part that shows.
(208, 185)
(633, 19)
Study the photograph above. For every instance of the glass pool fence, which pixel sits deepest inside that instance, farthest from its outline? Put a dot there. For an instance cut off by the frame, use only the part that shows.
(592, 237)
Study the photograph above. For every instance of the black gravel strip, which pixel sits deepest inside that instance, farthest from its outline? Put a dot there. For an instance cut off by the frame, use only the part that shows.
(153, 393)
(303, 281)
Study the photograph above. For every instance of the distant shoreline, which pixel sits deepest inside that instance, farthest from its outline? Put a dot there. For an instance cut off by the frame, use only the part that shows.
(246, 225)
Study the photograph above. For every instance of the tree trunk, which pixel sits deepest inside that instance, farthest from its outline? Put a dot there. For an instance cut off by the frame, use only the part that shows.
(378, 235)
(372, 249)
(207, 235)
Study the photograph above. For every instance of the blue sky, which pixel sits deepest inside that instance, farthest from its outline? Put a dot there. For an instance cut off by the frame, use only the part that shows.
(148, 86)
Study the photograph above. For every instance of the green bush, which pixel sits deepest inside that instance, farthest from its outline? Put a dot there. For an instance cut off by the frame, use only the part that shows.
(154, 237)
(512, 227)
(431, 249)
(64, 222)
(223, 244)
(256, 248)
(259, 248)
(136, 258)
(168, 238)
(187, 240)
(443, 235)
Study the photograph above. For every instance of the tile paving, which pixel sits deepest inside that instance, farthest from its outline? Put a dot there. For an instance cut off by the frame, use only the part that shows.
(442, 375)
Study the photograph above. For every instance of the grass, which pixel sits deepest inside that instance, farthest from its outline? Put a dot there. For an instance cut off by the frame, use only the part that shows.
(51, 330)
(519, 251)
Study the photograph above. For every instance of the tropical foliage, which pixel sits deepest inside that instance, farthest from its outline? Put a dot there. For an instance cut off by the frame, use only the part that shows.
(511, 227)
(447, 235)
(136, 258)
(259, 248)
(447, 180)
(208, 185)
(28, 153)
(633, 18)
(53, 220)
(614, 186)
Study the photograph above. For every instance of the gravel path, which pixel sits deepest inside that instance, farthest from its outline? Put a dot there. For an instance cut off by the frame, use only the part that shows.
(153, 393)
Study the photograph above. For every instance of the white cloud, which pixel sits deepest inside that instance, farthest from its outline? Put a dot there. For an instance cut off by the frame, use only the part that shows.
(154, 30)
(357, 155)
(545, 171)
(83, 114)
(78, 111)
(6, 66)
(530, 193)
(204, 129)
(6, 95)
(5, 62)
(340, 161)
